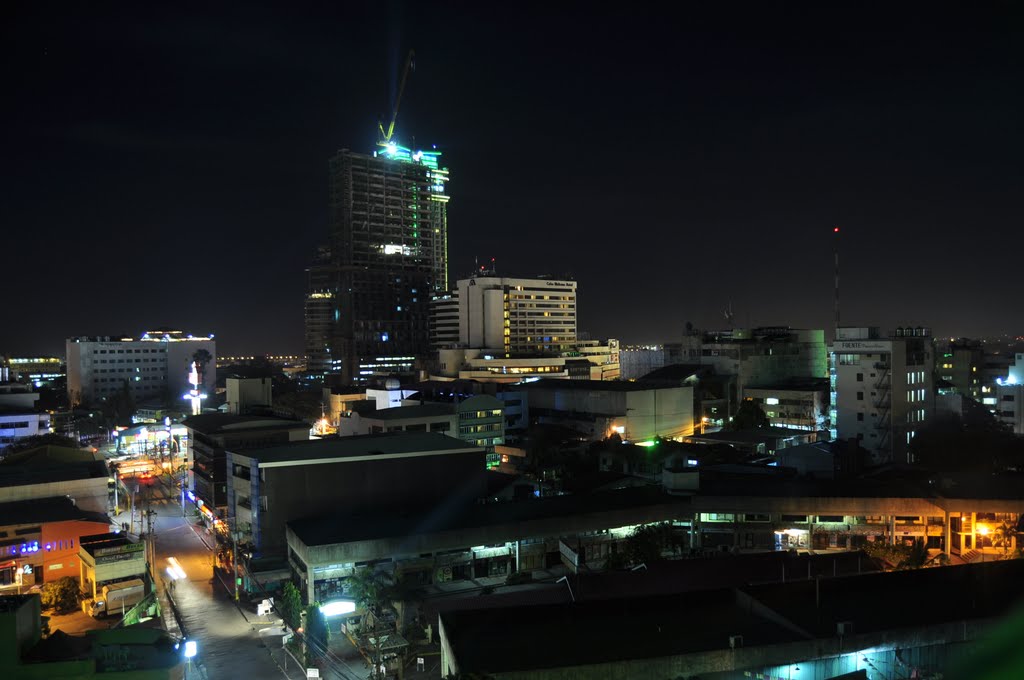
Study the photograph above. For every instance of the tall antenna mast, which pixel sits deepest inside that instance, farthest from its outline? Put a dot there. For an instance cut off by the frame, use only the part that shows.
(835, 251)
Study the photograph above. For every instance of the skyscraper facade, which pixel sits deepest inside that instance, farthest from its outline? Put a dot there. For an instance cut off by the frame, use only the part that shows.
(321, 283)
(389, 251)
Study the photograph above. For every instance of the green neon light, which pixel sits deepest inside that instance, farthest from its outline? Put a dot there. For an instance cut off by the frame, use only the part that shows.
(646, 444)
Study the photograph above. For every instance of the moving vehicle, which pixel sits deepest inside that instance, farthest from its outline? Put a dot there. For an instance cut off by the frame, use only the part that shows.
(116, 598)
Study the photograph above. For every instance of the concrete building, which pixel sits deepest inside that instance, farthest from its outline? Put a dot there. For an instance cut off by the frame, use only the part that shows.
(51, 471)
(365, 418)
(883, 388)
(38, 371)
(321, 284)
(42, 539)
(477, 420)
(801, 404)
(585, 361)
(765, 441)
(19, 417)
(761, 356)
(949, 623)
(1009, 396)
(109, 558)
(275, 485)
(636, 361)
(389, 245)
(155, 365)
(245, 395)
(444, 320)
(209, 436)
(596, 409)
(712, 512)
(961, 363)
(517, 317)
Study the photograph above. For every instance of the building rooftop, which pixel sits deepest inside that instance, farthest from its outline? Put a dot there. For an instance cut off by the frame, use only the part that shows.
(595, 632)
(600, 385)
(40, 510)
(679, 372)
(368, 410)
(216, 423)
(50, 464)
(751, 436)
(795, 384)
(92, 544)
(346, 528)
(390, 443)
(629, 627)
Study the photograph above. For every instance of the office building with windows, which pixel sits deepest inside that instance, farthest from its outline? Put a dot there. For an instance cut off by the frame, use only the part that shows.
(389, 245)
(154, 366)
(883, 388)
(517, 317)
(319, 313)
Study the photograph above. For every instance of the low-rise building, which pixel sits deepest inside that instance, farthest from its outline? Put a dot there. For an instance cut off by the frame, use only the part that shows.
(109, 558)
(49, 471)
(209, 435)
(636, 411)
(19, 417)
(1009, 396)
(41, 539)
(826, 627)
(124, 652)
(275, 485)
(801, 404)
(761, 441)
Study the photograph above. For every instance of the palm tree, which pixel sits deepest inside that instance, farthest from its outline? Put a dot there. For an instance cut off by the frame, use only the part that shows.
(371, 589)
(1004, 536)
(202, 357)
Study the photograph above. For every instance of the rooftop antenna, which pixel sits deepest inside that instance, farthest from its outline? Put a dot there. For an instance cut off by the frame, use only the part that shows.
(730, 317)
(835, 251)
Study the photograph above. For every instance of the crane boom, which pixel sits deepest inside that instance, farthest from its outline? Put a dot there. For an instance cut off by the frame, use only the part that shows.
(385, 135)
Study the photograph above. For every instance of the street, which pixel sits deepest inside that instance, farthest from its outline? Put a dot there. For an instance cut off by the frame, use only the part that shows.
(228, 644)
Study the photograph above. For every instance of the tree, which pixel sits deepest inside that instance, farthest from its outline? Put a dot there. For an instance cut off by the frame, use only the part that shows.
(201, 357)
(749, 416)
(120, 406)
(371, 589)
(1004, 536)
(315, 631)
(290, 605)
(61, 595)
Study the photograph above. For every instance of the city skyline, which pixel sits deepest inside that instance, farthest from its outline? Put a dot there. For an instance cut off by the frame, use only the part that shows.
(173, 169)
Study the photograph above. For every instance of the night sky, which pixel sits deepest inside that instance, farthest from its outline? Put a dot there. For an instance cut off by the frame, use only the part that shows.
(168, 166)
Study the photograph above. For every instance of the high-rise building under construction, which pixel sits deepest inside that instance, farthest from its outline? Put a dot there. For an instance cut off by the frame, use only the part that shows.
(389, 252)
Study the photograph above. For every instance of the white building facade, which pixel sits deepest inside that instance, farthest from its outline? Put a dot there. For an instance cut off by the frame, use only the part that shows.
(517, 316)
(155, 365)
(883, 388)
(1009, 396)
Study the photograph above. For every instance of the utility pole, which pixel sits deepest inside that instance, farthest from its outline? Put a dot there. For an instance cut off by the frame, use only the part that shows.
(234, 559)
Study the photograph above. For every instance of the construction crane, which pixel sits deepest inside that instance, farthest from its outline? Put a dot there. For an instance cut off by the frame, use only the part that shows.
(384, 135)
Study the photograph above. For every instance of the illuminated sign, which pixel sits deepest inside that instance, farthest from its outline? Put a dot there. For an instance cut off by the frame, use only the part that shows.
(393, 249)
(338, 607)
(117, 549)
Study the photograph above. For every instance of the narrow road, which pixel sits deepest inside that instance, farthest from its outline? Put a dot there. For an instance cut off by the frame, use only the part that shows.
(228, 646)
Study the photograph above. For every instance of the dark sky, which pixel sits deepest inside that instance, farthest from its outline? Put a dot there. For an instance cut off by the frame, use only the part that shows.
(164, 166)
